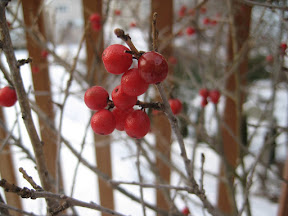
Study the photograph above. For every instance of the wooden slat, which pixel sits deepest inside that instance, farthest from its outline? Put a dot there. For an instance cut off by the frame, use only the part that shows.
(231, 117)
(41, 80)
(96, 73)
(164, 9)
(7, 169)
(283, 201)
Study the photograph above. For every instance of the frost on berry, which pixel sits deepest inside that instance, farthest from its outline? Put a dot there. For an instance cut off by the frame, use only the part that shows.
(116, 59)
(120, 117)
(153, 67)
(8, 96)
(176, 105)
(96, 98)
(132, 83)
(137, 124)
(103, 122)
(122, 100)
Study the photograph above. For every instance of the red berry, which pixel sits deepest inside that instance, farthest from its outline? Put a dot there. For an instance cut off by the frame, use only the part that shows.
(132, 84)
(190, 30)
(96, 98)
(117, 12)
(122, 100)
(204, 102)
(214, 96)
(182, 11)
(213, 22)
(120, 117)
(283, 47)
(44, 53)
(116, 60)
(176, 105)
(269, 58)
(137, 124)
(8, 96)
(103, 122)
(153, 67)
(204, 92)
(133, 24)
(186, 211)
(35, 69)
(206, 21)
(96, 22)
(172, 60)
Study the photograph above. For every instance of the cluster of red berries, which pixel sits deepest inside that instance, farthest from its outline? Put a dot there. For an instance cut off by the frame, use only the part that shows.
(184, 11)
(8, 96)
(117, 59)
(95, 21)
(213, 95)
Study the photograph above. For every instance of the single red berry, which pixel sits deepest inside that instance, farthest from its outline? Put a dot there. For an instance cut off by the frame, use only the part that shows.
(95, 20)
(133, 24)
(283, 47)
(204, 102)
(204, 92)
(182, 11)
(122, 100)
(185, 211)
(103, 122)
(206, 21)
(137, 124)
(153, 67)
(96, 98)
(203, 10)
(44, 53)
(132, 83)
(35, 69)
(8, 96)
(214, 96)
(117, 12)
(190, 31)
(213, 22)
(120, 117)
(176, 105)
(269, 58)
(172, 60)
(116, 60)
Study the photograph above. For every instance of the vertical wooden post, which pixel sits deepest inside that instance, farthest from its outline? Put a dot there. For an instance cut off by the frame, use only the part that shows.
(7, 169)
(162, 128)
(94, 49)
(232, 110)
(41, 80)
(283, 201)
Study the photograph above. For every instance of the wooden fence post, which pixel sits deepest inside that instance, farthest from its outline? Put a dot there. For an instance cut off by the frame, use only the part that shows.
(233, 108)
(41, 80)
(7, 169)
(283, 201)
(161, 127)
(96, 73)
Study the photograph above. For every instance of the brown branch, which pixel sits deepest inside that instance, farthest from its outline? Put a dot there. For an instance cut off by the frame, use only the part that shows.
(30, 179)
(23, 102)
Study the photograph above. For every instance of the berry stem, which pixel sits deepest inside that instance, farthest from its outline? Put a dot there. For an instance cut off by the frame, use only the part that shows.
(127, 39)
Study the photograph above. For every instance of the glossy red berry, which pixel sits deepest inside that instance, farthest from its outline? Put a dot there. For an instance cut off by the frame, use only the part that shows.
(103, 122)
(182, 11)
(137, 124)
(120, 117)
(204, 92)
(116, 60)
(190, 31)
(153, 67)
(185, 211)
(214, 96)
(96, 98)
(8, 96)
(122, 100)
(132, 83)
(176, 105)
